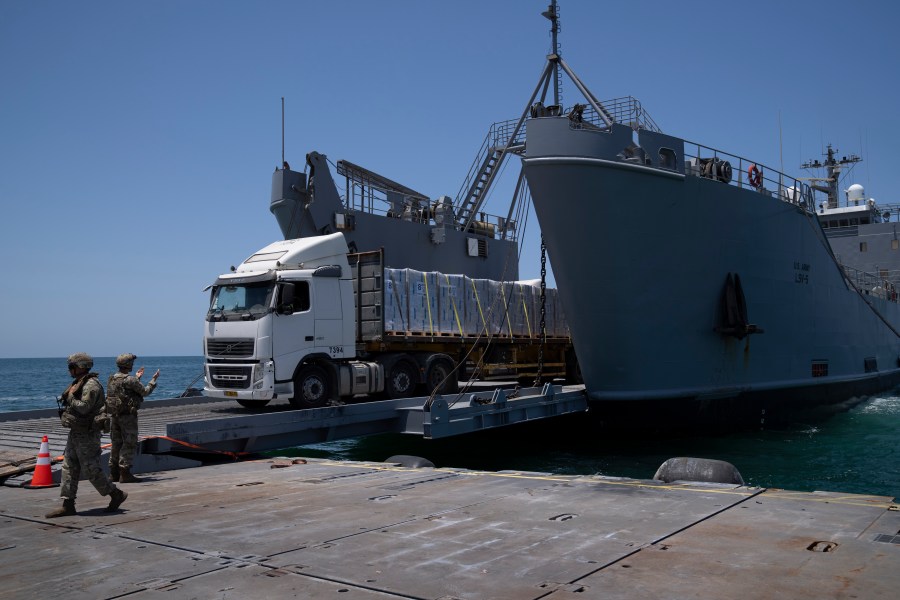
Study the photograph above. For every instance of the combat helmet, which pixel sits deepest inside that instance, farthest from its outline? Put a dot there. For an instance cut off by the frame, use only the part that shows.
(82, 360)
(125, 360)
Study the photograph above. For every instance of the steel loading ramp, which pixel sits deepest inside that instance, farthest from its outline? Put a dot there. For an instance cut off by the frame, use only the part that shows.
(445, 416)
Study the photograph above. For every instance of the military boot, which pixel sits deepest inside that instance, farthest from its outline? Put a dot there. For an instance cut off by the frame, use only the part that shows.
(117, 497)
(67, 510)
(127, 477)
(114, 472)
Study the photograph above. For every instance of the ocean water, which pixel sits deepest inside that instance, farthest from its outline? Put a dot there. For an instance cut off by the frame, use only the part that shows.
(31, 383)
(856, 451)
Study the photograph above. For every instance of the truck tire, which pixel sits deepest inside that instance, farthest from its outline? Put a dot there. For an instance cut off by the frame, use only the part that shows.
(312, 389)
(253, 404)
(401, 380)
(441, 375)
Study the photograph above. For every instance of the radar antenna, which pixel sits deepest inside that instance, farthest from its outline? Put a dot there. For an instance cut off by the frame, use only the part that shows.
(833, 167)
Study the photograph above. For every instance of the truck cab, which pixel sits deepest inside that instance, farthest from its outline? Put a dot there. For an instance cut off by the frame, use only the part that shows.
(284, 307)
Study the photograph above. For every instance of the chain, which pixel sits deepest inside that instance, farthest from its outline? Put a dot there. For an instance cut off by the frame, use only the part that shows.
(540, 369)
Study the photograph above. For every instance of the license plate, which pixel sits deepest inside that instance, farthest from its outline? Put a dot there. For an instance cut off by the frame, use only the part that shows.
(231, 394)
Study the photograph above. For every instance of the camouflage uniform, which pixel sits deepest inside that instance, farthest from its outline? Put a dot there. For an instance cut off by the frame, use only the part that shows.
(84, 407)
(125, 396)
(83, 444)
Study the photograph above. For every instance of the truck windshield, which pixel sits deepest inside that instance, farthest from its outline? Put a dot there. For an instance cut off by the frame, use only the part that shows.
(240, 302)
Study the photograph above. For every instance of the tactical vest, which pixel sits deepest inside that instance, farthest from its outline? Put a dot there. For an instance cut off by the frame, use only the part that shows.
(121, 400)
(73, 419)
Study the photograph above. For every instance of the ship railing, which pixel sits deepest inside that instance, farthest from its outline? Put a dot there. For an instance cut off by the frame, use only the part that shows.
(626, 110)
(425, 212)
(885, 284)
(840, 231)
(705, 161)
(888, 212)
(370, 193)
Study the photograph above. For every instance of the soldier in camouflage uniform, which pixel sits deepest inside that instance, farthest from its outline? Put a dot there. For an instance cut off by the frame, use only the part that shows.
(125, 393)
(82, 414)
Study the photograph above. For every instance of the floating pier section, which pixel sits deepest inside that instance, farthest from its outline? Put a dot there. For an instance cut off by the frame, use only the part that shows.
(311, 528)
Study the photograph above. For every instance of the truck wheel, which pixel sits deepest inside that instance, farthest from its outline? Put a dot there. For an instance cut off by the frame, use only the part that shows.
(401, 381)
(253, 404)
(311, 388)
(441, 377)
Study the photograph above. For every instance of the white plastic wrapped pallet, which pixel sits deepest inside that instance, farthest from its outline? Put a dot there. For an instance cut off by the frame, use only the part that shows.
(434, 303)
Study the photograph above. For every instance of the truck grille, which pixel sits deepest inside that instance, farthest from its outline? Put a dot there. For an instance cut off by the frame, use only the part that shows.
(236, 378)
(223, 348)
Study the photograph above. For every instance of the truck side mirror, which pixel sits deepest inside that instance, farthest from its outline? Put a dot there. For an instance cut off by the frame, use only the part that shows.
(286, 304)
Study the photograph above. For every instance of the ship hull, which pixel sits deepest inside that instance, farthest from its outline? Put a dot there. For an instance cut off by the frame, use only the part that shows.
(641, 254)
(763, 408)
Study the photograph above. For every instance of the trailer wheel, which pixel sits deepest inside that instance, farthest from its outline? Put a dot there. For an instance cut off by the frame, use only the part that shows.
(311, 388)
(441, 377)
(401, 380)
(253, 404)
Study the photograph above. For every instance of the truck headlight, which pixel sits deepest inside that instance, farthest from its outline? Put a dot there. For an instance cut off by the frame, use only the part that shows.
(259, 373)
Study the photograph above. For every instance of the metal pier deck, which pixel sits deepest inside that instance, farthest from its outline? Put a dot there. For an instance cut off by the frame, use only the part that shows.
(322, 529)
(202, 426)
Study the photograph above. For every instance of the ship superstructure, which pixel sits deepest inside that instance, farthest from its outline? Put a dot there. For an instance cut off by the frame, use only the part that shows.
(374, 213)
(862, 233)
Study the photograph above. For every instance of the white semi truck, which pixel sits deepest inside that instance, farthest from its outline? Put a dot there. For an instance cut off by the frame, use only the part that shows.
(304, 319)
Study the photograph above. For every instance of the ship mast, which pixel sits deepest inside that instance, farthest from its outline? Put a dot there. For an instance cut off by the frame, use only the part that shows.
(833, 168)
(552, 13)
(468, 206)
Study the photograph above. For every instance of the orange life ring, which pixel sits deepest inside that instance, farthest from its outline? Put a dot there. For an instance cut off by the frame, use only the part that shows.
(754, 176)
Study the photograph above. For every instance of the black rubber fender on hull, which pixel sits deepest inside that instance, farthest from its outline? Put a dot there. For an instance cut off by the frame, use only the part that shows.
(405, 460)
(707, 470)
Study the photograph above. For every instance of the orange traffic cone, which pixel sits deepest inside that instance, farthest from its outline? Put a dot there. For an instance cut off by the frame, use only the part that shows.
(42, 476)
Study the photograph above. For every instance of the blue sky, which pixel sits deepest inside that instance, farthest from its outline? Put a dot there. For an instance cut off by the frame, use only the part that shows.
(137, 139)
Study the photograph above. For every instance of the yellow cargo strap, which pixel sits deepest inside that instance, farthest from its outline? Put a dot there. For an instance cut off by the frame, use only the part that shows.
(505, 306)
(478, 304)
(453, 304)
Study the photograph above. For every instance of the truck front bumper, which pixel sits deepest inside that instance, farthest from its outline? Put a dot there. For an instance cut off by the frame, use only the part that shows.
(254, 381)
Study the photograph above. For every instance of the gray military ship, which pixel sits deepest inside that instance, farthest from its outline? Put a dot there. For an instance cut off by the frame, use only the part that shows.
(728, 304)
(738, 301)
